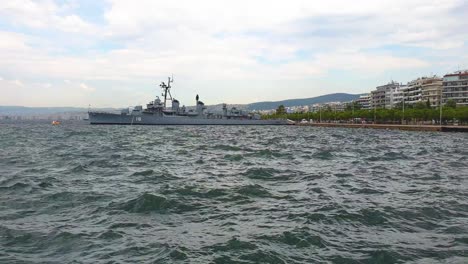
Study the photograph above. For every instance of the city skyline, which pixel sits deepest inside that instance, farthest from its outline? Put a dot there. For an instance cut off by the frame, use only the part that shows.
(115, 53)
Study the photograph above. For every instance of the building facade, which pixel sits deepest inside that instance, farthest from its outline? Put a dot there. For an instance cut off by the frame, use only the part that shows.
(364, 101)
(432, 90)
(412, 94)
(395, 96)
(422, 90)
(382, 96)
(455, 87)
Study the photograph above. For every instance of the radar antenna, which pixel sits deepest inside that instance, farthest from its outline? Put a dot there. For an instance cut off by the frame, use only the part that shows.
(167, 90)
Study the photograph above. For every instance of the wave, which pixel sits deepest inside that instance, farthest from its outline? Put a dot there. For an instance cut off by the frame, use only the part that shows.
(196, 192)
(16, 186)
(147, 203)
(179, 254)
(110, 235)
(143, 173)
(323, 155)
(151, 203)
(299, 238)
(390, 156)
(269, 174)
(369, 217)
(254, 191)
(232, 244)
(267, 153)
(227, 147)
(79, 168)
(233, 157)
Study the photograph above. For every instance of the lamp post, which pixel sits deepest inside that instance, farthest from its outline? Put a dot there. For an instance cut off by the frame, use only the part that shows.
(320, 113)
(375, 119)
(403, 120)
(440, 106)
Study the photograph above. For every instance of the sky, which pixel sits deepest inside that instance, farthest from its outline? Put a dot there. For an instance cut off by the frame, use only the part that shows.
(114, 53)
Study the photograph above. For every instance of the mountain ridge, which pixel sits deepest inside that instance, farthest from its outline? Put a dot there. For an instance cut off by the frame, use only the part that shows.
(334, 97)
(264, 105)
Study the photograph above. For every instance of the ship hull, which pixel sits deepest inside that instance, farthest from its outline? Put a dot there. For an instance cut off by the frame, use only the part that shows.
(148, 119)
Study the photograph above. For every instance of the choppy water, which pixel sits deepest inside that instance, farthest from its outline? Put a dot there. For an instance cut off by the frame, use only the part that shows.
(109, 194)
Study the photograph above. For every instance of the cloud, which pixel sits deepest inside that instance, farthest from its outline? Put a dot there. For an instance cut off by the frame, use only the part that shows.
(45, 14)
(209, 39)
(17, 83)
(383, 21)
(11, 41)
(87, 88)
(1, 78)
(365, 63)
(253, 43)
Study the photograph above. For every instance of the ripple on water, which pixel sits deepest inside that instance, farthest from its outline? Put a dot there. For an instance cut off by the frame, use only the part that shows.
(233, 244)
(110, 235)
(254, 190)
(268, 174)
(147, 203)
(300, 238)
(267, 153)
(367, 216)
(151, 203)
(323, 154)
(235, 157)
(143, 173)
(227, 148)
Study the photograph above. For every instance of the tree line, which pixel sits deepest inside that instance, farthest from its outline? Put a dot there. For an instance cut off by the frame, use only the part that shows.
(418, 113)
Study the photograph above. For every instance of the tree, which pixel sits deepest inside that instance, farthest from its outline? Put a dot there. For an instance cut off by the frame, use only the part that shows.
(420, 105)
(398, 105)
(281, 110)
(428, 103)
(451, 103)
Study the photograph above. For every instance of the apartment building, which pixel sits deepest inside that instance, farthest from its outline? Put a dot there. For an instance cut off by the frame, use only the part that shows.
(432, 90)
(423, 89)
(364, 101)
(455, 87)
(382, 96)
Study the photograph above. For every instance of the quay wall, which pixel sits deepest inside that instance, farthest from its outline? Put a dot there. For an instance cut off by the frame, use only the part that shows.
(390, 126)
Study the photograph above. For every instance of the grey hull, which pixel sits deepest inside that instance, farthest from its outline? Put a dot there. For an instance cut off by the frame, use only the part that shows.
(149, 119)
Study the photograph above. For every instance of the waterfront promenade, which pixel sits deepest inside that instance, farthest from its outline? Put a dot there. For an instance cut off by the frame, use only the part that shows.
(392, 126)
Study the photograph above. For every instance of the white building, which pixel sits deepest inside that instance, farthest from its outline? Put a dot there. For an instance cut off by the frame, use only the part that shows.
(432, 90)
(385, 96)
(423, 89)
(395, 96)
(364, 101)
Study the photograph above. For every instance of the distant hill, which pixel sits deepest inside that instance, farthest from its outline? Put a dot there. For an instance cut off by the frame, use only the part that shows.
(22, 110)
(335, 97)
(40, 111)
(44, 111)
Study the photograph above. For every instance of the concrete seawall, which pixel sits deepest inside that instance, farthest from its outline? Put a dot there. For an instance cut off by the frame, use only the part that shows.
(394, 127)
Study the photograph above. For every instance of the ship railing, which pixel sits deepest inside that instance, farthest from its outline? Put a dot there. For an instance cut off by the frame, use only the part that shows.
(104, 112)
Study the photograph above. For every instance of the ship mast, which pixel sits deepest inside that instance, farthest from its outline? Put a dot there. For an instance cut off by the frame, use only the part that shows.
(167, 90)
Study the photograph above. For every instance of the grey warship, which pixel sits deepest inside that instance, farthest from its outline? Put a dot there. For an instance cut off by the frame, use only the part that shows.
(158, 112)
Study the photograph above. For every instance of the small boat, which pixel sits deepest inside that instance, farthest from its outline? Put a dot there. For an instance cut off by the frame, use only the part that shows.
(55, 122)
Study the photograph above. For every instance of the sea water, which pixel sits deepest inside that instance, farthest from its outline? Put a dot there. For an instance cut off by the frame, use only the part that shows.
(77, 193)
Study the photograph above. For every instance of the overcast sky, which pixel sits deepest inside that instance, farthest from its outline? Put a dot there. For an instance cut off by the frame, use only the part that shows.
(115, 53)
